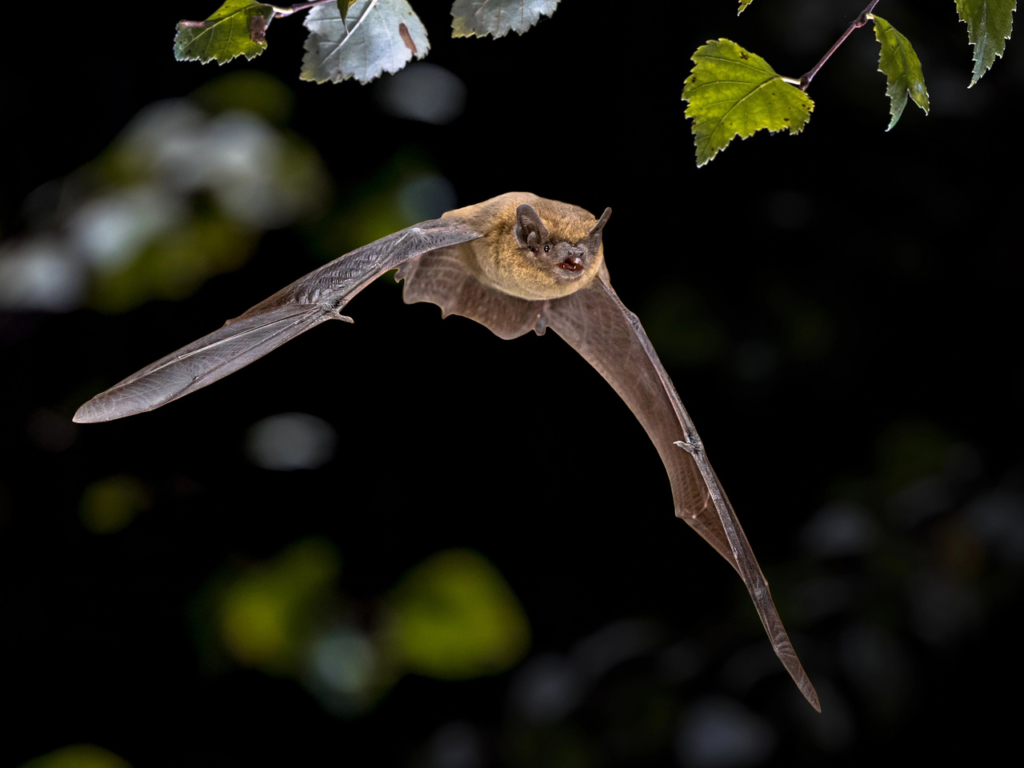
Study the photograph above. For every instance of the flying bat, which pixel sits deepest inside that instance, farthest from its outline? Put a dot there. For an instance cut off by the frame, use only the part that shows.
(515, 263)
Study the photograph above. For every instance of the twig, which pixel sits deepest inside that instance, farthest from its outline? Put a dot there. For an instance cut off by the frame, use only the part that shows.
(857, 23)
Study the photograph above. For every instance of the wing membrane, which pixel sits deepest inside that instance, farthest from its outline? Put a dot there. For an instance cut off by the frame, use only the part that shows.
(309, 301)
(596, 324)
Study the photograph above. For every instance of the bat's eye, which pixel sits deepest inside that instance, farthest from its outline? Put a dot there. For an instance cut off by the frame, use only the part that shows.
(547, 248)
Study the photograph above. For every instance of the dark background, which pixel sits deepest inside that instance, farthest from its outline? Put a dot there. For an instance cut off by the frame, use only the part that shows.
(838, 311)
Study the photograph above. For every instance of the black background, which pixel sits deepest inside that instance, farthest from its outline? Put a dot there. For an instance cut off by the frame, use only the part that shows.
(906, 243)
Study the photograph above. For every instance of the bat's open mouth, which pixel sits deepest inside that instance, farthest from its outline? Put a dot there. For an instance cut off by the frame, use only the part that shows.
(573, 264)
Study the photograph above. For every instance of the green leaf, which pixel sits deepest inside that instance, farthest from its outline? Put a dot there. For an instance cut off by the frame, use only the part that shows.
(238, 28)
(901, 67)
(989, 24)
(733, 92)
(377, 36)
(743, 6)
(479, 18)
(343, 6)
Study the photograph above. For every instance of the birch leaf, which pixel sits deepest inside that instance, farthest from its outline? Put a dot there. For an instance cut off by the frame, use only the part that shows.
(743, 6)
(238, 28)
(377, 36)
(733, 92)
(901, 67)
(479, 18)
(989, 23)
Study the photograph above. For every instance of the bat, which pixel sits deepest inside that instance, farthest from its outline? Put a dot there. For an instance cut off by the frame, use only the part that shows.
(515, 263)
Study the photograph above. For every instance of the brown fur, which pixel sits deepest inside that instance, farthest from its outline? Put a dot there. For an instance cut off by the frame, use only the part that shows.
(499, 262)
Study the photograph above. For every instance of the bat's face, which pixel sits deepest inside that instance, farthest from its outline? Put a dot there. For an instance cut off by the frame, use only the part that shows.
(565, 261)
(546, 258)
(532, 248)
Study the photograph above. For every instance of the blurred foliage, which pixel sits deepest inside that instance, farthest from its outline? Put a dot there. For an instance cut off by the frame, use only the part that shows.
(266, 615)
(249, 91)
(78, 756)
(183, 194)
(911, 450)
(109, 505)
(406, 190)
(683, 326)
(453, 617)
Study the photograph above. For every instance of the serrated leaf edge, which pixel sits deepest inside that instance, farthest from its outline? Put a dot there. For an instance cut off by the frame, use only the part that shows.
(792, 130)
(540, 16)
(308, 77)
(909, 92)
(218, 22)
(978, 55)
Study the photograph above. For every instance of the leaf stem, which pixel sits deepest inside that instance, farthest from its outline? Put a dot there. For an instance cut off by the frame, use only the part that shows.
(288, 11)
(857, 23)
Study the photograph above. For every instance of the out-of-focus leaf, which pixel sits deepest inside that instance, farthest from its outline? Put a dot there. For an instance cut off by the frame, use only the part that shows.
(109, 505)
(901, 67)
(267, 614)
(78, 756)
(377, 36)
(238, 28)
(989, 24)
(248, 90)
(479, 18)
(456, 618)
(175, 265)
(177, 198)
(910, 450)
(743, 6)
(733, 92)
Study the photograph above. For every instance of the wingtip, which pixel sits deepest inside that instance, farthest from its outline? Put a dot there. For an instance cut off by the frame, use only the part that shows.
(803, 682)
(100, 409)
(812, 696)
(88, 413)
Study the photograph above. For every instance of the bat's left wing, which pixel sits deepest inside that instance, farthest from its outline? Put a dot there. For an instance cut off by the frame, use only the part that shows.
(597, 325)
(309, 301)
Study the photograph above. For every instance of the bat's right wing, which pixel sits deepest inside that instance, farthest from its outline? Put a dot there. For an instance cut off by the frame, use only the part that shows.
(597, 325)
(309, 301)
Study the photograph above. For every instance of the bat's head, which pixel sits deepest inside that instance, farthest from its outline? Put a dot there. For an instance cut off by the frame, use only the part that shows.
(564, 247)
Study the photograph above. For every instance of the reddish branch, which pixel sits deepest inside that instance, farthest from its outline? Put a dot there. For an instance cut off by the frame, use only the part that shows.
(857, 23)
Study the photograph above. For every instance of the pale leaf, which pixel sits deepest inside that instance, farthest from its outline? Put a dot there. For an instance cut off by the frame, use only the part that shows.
(377, 36)
(479, 18)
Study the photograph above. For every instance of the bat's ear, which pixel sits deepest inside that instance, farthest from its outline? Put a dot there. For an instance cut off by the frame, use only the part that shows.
(530, 230)
(601, 222)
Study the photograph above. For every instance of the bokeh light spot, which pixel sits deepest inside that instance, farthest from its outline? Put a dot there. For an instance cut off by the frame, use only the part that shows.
(455, 617)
